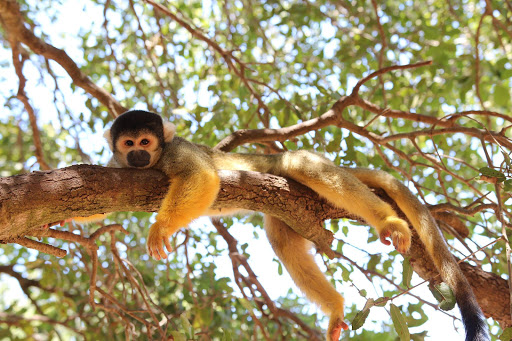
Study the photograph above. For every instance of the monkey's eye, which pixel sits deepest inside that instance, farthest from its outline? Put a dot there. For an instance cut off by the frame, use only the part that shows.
(144, 142)
(128, 143)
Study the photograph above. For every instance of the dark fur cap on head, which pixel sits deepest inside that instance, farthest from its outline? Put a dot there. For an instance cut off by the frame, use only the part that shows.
(135, 121)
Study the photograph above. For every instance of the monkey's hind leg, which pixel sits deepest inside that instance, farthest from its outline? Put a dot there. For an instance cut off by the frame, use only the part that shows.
(344, 190)
(293, 250)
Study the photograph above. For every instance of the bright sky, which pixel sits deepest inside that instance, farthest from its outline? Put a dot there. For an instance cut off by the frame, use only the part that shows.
(62, 31)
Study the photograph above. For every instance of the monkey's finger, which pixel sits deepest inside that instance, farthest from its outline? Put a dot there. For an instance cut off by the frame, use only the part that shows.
(167, 244)
(151, 252)
(160, 249)
(384, 235)
(60, 222)
(63, 222)
(156, 254)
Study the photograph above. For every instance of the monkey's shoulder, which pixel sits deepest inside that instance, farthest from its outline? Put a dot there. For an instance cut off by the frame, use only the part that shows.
(180, 155)
(179, 147)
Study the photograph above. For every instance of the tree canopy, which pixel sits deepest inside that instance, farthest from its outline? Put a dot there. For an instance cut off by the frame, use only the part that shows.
(420, 89)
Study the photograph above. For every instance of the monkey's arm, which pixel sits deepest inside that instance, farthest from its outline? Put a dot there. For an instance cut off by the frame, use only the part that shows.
(194, 187)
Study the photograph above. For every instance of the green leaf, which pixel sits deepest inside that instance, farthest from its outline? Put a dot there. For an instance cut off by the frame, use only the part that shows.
(374, 260)
(507, 159)
(419, 336)
(506, 335)
(361, 316)
(501, 95)
(399, 323)
(381, 301)
(444, 295)
(407, 272)
(178, 336)
(245, 303)
(279, 267)
(226, 335)
(345, 273)
(492, 173)
(507, 185)
(189, 330)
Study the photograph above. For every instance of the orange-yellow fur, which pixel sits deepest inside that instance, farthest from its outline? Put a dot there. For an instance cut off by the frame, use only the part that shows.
(90, 219)
(293, 250)
(192, 193)
(192, 170)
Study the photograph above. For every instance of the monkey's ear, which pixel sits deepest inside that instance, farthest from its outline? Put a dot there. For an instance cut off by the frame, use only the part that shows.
(169, 130)
(108, 137)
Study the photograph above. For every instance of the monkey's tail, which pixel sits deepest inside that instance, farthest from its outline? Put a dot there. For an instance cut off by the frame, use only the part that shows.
(293, 250)
(423, 222)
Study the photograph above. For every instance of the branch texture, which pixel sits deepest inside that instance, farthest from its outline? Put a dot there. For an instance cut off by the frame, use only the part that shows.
(30, 200)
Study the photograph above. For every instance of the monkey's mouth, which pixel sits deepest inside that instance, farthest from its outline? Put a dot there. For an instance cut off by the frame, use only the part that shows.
(138, 158)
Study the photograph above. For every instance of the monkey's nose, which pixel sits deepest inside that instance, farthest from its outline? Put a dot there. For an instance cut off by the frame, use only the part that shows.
(138, 158)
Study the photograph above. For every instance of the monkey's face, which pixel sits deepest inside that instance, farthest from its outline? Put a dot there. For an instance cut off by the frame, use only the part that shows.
(141, 151)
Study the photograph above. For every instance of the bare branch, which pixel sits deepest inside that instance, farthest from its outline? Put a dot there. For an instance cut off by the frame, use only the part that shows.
(32, 244)
(385, 70)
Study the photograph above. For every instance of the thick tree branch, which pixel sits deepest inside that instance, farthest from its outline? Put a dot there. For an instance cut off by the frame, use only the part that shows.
(30, 200)
(334, 116)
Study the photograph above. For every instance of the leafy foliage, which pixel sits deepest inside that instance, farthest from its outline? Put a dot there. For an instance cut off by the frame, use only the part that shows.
(240, 64)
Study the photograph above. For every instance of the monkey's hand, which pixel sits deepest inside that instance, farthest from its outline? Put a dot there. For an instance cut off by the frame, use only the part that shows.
(399, 232)
(159, 235)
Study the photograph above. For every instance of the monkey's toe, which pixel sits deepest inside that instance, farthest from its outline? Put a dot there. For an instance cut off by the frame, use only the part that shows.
(335, 328)
(399, 232)
(401, 242)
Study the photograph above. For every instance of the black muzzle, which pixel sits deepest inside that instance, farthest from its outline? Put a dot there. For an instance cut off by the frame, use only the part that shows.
(138, 158)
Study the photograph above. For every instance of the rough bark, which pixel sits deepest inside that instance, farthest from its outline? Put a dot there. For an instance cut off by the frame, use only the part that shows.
(30, 200)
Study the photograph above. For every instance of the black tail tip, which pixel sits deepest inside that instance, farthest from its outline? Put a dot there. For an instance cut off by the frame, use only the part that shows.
(474, 323)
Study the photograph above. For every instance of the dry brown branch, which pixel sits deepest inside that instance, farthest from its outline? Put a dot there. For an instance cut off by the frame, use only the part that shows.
(32, 244)
(18, 60)
(243, 136)
(489, 136)
(385, 70)
(334, 117)
(497, 24)
(257, 290)
(12, 319)
(383, 48)
(469, 211)
(150, 53)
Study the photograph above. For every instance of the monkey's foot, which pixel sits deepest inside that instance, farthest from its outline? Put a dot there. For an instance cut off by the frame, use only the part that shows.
(157, 238)
(399, 232)
(336, 325)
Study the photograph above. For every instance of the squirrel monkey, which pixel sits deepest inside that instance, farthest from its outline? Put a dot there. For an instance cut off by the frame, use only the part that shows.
(140, 139)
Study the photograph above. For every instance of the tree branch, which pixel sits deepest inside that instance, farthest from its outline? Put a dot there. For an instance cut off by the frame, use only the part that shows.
(28, 201)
